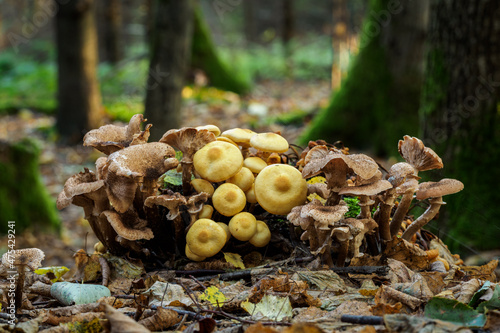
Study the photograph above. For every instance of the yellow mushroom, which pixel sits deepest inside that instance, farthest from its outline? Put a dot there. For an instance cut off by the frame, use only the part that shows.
(192, 256)
(243, 179)
(229, 199)
(243, 226)
(202, 185)
(263, 235)
(205, 238)
(206, 212)
(255, 164)
(279, 188)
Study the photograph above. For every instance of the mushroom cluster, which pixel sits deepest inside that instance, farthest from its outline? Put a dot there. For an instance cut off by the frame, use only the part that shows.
(323, 218)
(235, 182)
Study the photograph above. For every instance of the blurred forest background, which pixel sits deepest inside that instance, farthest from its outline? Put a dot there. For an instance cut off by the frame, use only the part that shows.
(363, 72)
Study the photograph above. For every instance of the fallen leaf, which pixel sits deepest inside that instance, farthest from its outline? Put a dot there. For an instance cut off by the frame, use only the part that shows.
(214, 296)
(120, 323)
(234, 259)
(162, 294)
(454, 312)
(57, 272)
(270, 307)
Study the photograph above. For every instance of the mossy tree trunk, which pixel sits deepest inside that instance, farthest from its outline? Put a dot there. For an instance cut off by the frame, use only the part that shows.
(79, 98)
(23, 197)
(460, 118)
(205, 57)
(170, 54)
(378, 101)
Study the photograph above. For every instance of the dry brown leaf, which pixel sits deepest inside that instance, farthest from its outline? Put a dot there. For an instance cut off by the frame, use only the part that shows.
(161, 320)
(357, 308)
(120, 323)
(484, 272)
(279, 283)
(88, 316)
(302, 328)
(310, 314)
(259, 328)
(120, 285)
(390, 296)
(409, 254)
(383, 309)
(493, 321)
(213, 264)
(466, 290)
(434, 281)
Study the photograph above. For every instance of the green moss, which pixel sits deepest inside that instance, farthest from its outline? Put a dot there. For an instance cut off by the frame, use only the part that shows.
(23, 197)
(370, 110)
(354, 208)
(205, 57)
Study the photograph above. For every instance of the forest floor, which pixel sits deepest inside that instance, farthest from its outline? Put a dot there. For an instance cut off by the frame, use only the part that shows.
(291, 295)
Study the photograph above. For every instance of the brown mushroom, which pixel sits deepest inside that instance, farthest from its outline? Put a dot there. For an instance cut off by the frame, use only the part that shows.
(418, 155)
(435, 191)
(188, 140)
(20, 260)
(173, 201)
(111, 138)
(299, 216)
(128, 225)
(407, 189)
(343, 236)
(137, 165)
(195, 204)
(365, 192)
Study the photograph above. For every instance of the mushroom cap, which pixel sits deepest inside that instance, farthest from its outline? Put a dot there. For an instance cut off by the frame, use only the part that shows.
(410, 184)
(399, 172)
(438, 189)
(243, 179)
(171, 201)
(250, 194)
(31, 257)
(229, 199)
(326, 216)
(368, 189)
(239, 135)
(128, 225)
(279, 188)
(218, 161)
(228, 140)
(79, 190)
(192, 256)
(255, 164)
(110, 138)
(269, 142)
(188, 140)
(205, 238)
(342, 233)
(206, 212)
(316, 152)
(243, 226)
(196, 202)
(202, 185)
(263, 235)
(212, 128)
(226, 229)
(418, 155)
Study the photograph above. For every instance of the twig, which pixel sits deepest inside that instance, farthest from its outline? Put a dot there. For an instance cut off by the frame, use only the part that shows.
(198, 282)
(380, 270)
(201, 272)
(225, 314)
(362, 320)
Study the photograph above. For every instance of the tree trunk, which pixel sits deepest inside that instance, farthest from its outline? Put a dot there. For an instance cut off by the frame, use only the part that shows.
(23, 197)
(459, 114)
(249, 21)
(206, 58)
(339, 36)
(110, 30)
(378, 101)
(170, 55)
(79, 99)
(287, 34)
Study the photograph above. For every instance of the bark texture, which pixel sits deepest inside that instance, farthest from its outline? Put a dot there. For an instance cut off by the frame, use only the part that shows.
(459, 114)
(170, 57)
(378, 101)
(79, 98)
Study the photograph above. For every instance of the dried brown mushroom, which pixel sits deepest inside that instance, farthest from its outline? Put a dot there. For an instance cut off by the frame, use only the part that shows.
(173, 202)
(188, 140)
(136, 167)
(407, 189)
(111, 138)
(435, 191)
(20, 260)
(418, 155)
(128, 225)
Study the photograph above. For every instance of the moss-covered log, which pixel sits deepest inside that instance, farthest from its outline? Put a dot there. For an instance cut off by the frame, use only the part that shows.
(204, 56)
(460, 117)
(23, 197)
(378, 101)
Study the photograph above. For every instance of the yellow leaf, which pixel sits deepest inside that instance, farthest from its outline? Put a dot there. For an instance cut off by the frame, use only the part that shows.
(316, 180)
(214, 296)
(234, 259)
(56, 271)
(313, 196)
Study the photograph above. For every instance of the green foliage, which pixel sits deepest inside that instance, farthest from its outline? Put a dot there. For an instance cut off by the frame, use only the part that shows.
(354, 208)
(23, 197)
(493, 303)
(454, 311)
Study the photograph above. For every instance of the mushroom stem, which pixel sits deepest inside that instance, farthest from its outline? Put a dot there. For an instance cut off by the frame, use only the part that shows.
(325, 239)
(401, 212)
(179, 229)
(187, 171)
(313, 238)
(18, 301)
(364, 204)
(343, 250)
(333, 198)
(429, 214)
(385, 214)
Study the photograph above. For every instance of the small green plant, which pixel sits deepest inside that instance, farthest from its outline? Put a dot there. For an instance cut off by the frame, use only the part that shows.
(353, 204)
